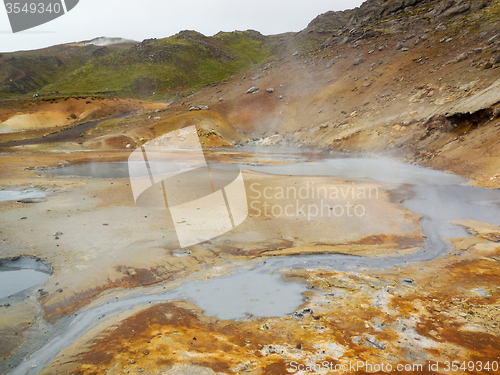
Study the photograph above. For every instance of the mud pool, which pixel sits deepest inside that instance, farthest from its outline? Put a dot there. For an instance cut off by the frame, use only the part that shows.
(20, 274)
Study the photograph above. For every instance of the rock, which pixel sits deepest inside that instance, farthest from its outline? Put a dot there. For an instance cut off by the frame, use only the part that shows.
(131, 272)
(358, 61)
(494, 38)
(456, 10)
(495, 59)
(203, 107)
(488, 65)
(330, 63)
(295, 53)
(57, 234)
(157, 118)
(372, 341)
(256, 78)
(371, 51)
(270, 90)
(441, 27)
(193, 108)
(469, 86)
(280, 97)
(252, 89)
(461, 57)
(220, 99)
(128, 145)
(399, 45)
(59, 290)
(381, 48)
(405, 49)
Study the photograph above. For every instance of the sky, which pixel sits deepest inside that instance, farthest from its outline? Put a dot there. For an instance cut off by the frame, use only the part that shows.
(144, 19)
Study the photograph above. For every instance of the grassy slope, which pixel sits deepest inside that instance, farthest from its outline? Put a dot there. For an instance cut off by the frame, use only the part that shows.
(28, 71)
(183, 61)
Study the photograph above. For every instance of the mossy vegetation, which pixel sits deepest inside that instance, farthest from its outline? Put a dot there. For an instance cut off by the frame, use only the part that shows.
(184, 61)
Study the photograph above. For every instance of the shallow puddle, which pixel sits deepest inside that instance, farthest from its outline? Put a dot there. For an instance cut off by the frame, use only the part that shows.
(21, 274)
(246, 294)
(14, 195)
(119, 169)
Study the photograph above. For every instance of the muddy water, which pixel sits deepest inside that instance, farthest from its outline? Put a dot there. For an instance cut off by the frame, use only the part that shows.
(244, 294)
(13, 195)
(439, 199)
(379, 169)
(105, 169)
(20, 274)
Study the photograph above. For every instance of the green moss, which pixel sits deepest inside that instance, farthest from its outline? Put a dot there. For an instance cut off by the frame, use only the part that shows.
(186, 60)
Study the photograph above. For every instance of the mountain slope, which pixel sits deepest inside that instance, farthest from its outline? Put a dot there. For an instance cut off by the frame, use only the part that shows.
(186, 60)
(28, 71)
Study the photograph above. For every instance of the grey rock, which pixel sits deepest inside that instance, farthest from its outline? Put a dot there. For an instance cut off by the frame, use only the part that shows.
(399, 45)
(372, 341)
(330, 63)
(493, 39)
(358, 61)
(462, 57)
(252, 89)
(193, 108)
(456, 10)
(203, 107)
(270, 90)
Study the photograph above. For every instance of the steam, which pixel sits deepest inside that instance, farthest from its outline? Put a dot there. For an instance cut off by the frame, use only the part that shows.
(105, 41)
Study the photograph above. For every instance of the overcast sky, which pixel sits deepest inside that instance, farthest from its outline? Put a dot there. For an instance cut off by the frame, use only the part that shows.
(143, 19)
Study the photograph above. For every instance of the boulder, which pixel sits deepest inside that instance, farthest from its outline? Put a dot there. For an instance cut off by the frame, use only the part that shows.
(252, 89)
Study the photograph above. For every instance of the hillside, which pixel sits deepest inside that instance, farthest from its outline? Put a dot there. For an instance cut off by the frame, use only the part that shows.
(186, 60)
(27, 72)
